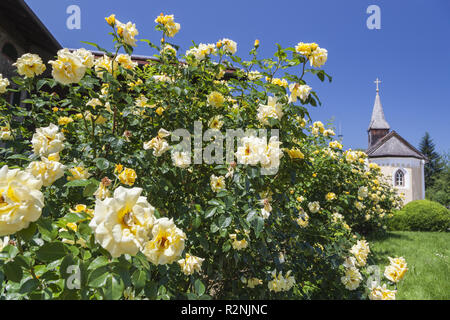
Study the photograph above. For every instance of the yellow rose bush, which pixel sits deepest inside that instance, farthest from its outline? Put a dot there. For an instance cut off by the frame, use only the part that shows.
(96, 184)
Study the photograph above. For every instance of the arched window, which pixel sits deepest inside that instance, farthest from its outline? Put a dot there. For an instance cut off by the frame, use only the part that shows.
(399, 178)
(10, 51)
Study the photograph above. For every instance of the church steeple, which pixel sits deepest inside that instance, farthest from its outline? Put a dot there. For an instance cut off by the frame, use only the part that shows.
(378, 126)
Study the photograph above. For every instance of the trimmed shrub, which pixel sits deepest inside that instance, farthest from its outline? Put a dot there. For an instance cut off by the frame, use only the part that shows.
(421, 215)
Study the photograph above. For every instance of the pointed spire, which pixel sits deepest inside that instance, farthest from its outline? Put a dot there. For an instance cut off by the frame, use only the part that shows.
(378, 121)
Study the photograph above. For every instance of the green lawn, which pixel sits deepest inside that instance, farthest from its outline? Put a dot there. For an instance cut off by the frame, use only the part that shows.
(428, 258)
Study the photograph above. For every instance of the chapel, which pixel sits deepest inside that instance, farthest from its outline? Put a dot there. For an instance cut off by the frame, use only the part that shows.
(400, 162)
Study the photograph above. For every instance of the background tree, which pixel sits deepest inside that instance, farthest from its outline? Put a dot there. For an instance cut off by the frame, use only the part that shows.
(434, 164)
(440, 191)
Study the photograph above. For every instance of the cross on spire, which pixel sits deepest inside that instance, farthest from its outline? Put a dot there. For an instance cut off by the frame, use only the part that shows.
(377, 82)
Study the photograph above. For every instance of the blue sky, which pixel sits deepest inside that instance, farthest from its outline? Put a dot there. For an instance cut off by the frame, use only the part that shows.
(410, 53)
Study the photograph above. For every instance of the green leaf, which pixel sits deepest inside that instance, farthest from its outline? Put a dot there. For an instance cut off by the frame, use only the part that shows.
(13, 271)
(19, 157)
(29, 286)
(251, 215)
(226, 246)
(210, 212)
(47, 229)
(102, 163)
(23, 261)
(90, 188)
(78, 183)
(17, 80)
(138, 278)
(9, 252)
(216, 202)
(98, 47)
(40, 84)
(114, 287)
(259, 225)
(226, 222)
(74, 217)
(51, 251)
(28, 233)
(65, 263)
(151, 44)
(142, 260)
(199, 287)
(221, 194)
(253, 172)
(214, 228)
(98, 277)
(151, 291)
(191, 296)
(98, 262)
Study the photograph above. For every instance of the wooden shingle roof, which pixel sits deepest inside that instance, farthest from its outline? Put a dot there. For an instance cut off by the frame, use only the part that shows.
(393, 145)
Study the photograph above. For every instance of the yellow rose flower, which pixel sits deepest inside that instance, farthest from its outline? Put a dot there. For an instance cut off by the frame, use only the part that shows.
(330, 196)
(382, 293)
(68, 68)
(111, 20)
(273, 110)
(21, 202)
(46, 170)
(167, 243)
(299, 91)
(5, 133)
(318, 57)
(102, 192)
(190, 264)
(159, 111)
(303, 219)
(352, 278)
(118, 168)
(216, 99)
(78, 173)
(253, 282)
(86, 57)
(127, 176)
(335, 145)
(216, 122)
(79, 208)
(47, 140)
(72, 226)
(103, 64)
(122, 224)
(229, 45)
(396, 270)
(238, 244)
(217, 183)
(314, 207)
(125, 61)
(280, 282)
(4, 82)
(168, 22)
(128, 32)
(278, 82)
(158, 143)
(64, 120)
(295, 153)
(30, 65)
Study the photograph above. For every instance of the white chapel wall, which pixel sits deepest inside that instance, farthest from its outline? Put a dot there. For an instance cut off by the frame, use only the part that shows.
(412, 168)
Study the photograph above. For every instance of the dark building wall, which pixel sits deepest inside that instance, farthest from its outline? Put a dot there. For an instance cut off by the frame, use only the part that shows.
(375, 135)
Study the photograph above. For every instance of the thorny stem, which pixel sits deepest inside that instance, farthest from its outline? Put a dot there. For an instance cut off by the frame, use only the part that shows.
(19, 245)
(109, 91)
